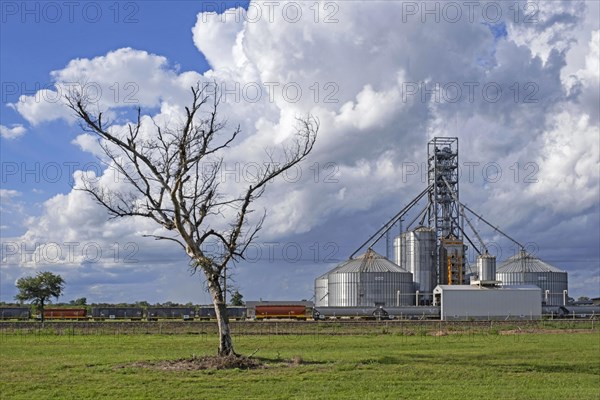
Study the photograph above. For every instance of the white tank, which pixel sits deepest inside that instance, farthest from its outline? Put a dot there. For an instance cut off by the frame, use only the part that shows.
(486, 267)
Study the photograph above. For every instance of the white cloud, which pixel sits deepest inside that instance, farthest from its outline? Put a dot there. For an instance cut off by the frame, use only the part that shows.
(550, 26)
(216, 36)
(45, 105)
(89, 143)
(7, 194)
(120, 79)
(13, 132)
(570, 162)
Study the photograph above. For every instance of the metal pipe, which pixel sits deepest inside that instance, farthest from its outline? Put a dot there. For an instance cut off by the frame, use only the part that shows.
(401, 214)
(493, 227)
(387, 245)
(382, 231)
(422, 212)
(470, 241)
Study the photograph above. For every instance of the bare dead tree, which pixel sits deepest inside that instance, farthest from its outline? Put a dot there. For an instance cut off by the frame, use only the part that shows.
(170, 184)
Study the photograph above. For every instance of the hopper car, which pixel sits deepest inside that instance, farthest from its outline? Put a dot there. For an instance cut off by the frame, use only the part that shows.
(297, 312)
(183, 313)
(22, 313)
(65, 313)
(207, 313)
(117, 313)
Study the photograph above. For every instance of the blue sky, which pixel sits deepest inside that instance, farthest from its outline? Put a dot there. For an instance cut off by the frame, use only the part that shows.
(37, 39)
(369, 71)
(33, 44)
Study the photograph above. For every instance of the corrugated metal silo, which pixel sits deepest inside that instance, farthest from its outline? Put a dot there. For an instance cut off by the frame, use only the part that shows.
(322, 291)
(525, 269)
(415, 252)
(370, 280)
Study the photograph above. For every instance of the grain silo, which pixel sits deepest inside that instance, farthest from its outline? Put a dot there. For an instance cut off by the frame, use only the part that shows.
(369, 280)
(415, 252)
(322, 291)
(525, 269)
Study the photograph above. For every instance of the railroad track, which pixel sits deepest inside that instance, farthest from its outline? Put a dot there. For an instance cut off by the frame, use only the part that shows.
(282, 327)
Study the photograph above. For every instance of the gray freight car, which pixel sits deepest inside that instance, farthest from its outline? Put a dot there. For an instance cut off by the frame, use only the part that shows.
(15, 313)
(414, 312)
(349, 313)
(184, 313)
(404, 312)
(130, 313)
(207, 313)
(572, 311)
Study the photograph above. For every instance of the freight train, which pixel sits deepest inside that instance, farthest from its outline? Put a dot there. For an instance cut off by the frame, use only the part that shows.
(151, 313)
(260, 312)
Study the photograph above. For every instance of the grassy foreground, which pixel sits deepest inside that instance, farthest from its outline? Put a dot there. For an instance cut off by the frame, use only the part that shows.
(530, 366)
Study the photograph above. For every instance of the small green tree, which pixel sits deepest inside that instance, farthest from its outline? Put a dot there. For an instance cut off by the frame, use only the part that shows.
(82, 301)
(40, 289)
(142, 303)
(237, 299)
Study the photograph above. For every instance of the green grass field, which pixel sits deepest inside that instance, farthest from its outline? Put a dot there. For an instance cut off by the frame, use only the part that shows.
(390, 366)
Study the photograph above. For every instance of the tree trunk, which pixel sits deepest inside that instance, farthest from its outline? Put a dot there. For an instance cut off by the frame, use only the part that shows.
(225, 342)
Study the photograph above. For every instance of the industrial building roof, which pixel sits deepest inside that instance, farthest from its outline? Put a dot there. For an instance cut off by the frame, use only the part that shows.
(370, 261)
(524, 262)
(476, 287)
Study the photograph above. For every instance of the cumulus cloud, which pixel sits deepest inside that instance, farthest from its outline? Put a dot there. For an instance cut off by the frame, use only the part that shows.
(13, 132)
(570, 160)
(524, 102)
(547, 26)
(122, 78)
(45, 105)
(216, 36)
(7, 194)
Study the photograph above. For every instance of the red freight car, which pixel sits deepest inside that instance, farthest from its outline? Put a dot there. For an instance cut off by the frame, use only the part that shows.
(281, 311)
(65, 313)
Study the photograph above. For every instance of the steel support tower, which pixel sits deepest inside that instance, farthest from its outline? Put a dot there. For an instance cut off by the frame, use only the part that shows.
(443, 213)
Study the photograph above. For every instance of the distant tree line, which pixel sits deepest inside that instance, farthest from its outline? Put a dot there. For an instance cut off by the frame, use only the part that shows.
(44, 286)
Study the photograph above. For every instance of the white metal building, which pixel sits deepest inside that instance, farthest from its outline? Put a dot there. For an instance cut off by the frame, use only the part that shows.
(465, 302)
